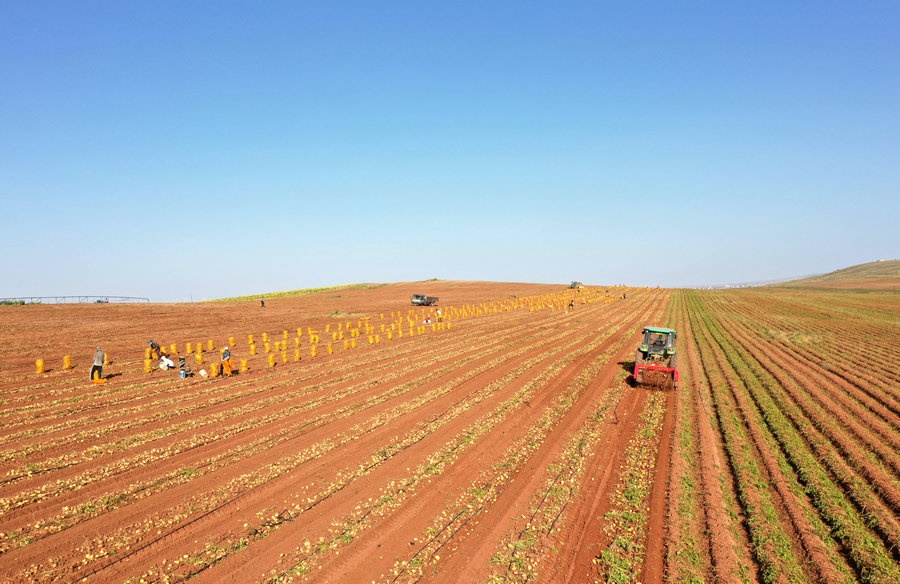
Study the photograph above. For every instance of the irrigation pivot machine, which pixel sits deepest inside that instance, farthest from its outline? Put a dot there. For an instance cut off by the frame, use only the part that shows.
(656, 361)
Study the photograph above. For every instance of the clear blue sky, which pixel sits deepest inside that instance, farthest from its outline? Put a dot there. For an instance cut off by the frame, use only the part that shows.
(191, 150)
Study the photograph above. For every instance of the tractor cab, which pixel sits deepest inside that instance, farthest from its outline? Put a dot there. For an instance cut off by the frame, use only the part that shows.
(658, 343)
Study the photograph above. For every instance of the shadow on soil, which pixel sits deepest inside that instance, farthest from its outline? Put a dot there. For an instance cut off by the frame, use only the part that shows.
(628, 367)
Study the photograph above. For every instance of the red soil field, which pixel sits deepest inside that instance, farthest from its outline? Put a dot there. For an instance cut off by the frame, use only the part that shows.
(500, 442)
(484, 445)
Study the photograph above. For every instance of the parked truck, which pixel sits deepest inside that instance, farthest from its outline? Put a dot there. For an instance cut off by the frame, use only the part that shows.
(423, 300)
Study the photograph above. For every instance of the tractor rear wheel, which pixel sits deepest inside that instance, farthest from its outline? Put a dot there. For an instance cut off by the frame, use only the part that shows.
(673, 363)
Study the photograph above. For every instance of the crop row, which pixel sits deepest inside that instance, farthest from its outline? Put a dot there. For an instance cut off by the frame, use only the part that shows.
(397, 491)
(825, 360)
(706, 539)
(840, 434)
(379, 370)
(491, 483)
(519, 554)
(750, 460)
(159, 524)
(471, 501)
(187, 405)
(156, 484)
(794, 501)
(827, 337)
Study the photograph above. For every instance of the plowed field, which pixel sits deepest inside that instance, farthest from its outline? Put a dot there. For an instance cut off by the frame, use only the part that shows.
(498, 441)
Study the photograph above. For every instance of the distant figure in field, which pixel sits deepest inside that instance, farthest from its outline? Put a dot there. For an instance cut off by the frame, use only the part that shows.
(439, 316)
(99, 358)
(155, 352)
(262, 302)
(571, 304)
(185, 368)
(227, 363)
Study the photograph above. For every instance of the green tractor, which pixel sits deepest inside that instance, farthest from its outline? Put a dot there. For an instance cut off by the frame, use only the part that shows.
(656, 361)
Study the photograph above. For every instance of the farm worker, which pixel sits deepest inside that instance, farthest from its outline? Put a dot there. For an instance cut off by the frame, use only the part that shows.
(227, 363)
(99, 357)
(154, 349)
(165, 363)
(439, 317)
(185, 368)
(262, 302)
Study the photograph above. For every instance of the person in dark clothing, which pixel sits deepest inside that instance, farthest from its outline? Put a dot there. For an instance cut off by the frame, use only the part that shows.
(99, 358)
(155, 353)
(185, 368)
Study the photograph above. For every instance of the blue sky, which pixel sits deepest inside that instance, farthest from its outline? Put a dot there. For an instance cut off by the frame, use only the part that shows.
(191, 150)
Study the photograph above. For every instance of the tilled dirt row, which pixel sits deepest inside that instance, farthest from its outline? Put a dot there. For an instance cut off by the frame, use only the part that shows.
(799, 448)
(774, 515)
(705, 538)
(836, 331)
(828, 355)
(378, 462)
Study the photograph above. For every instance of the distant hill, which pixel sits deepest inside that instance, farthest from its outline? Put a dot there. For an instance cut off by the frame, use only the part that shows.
(878, 275)
(302, 292)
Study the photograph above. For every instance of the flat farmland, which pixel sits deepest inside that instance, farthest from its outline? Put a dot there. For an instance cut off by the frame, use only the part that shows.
(500, 441)
(785, 459)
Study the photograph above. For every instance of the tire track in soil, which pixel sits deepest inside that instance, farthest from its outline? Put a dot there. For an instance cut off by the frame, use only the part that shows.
(653, 568)
(686, 546)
